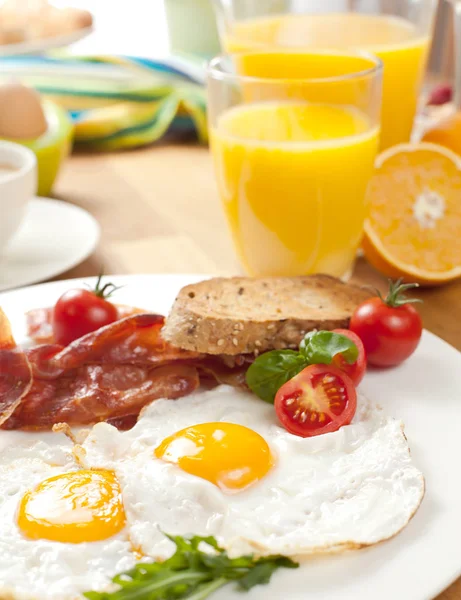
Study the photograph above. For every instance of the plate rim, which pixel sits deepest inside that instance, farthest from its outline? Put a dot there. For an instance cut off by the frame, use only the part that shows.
(182, 279)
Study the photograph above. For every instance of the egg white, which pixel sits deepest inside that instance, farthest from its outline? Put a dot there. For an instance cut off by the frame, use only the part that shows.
(36, 569)
(346, 489)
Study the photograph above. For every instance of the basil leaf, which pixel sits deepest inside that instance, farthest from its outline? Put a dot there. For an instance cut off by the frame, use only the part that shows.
(320, 347)
(271, 370)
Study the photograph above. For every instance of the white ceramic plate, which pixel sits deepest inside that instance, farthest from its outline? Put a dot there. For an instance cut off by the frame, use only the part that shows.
(54, 237)
(425, 392)
(39, 46)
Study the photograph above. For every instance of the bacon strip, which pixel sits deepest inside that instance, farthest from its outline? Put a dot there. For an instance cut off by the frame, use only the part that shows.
(99, 392)
(217, 369)
(15, 381)
(15, 371)
(133, 340)
(108, 374)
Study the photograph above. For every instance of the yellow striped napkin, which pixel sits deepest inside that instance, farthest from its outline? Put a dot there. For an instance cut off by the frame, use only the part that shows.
(119, 102)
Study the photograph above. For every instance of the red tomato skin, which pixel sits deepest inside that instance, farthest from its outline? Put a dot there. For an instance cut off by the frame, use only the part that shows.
(78, 312)
(389, 334)
(306, 376)
(357, 370)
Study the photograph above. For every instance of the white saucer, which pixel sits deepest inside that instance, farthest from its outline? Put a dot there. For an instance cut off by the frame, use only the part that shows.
(54, 237)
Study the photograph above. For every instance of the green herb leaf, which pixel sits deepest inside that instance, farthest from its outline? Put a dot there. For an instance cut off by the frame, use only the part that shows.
(320, 347)
(197, 569)
(271, 370)
(262, 572)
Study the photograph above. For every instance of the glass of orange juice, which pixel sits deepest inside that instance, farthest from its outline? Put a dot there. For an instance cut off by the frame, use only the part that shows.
(397, 31)
(293, 152)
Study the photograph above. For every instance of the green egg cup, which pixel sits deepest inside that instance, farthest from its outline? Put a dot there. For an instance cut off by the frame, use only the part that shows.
(51, 148)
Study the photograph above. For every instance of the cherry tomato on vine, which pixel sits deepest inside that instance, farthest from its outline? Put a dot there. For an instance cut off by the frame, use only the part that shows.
(81, 311)
(389, 328)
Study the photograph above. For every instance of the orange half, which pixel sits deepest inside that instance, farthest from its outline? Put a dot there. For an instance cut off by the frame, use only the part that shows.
(414, 226)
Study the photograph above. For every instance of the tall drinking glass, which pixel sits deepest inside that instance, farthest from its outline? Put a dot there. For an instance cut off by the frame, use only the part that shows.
(397, 31)
(293, 156)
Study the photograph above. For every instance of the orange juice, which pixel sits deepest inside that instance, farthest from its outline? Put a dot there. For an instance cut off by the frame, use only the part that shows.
(292, 177)
(394, 40)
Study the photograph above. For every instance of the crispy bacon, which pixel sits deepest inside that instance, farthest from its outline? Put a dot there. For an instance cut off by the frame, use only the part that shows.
(15, 381)
(107, 375)
(134, 340)
(217, 369)
(40, 329)
(95, 393)
(15, 371)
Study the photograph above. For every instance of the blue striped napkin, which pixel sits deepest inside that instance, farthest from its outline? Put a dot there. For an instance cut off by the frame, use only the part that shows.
(119, 102)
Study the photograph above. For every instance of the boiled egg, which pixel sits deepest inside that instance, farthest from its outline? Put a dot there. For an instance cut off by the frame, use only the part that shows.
(21, 113)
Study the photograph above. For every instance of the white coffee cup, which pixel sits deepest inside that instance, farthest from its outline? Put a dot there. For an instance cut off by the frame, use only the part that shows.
(18, 185)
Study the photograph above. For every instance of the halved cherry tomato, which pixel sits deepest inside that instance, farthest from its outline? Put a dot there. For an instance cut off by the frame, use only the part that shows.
(320, 399)
(79, 311)
(356, 371)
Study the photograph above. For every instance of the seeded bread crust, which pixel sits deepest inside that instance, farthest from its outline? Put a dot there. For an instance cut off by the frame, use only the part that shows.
(240, 315)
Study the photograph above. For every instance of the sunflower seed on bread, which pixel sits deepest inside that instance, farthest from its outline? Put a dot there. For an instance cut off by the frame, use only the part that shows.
(240, 315)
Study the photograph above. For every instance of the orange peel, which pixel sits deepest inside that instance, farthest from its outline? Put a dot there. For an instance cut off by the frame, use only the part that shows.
(413, 230)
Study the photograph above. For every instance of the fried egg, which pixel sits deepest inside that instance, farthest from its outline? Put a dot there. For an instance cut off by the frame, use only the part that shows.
(62, 528)
(219, 463)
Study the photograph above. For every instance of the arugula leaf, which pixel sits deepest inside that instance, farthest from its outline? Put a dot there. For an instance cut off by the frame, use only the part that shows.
(271, 370)
(262, 572)
(320, 347)
(192, 573)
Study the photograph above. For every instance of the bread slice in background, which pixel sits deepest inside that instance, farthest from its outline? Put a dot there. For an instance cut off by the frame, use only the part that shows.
(240, 315)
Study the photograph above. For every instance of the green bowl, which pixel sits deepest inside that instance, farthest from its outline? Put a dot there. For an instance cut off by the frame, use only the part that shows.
(51, 148)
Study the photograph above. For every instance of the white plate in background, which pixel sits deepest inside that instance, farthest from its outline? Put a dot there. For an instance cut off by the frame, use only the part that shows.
(39, 46)
(54, 237)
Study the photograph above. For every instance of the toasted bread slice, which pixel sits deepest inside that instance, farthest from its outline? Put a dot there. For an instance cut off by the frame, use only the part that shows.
(240, 315)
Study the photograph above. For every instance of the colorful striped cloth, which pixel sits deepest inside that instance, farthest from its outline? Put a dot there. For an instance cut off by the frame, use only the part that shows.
(119, 102)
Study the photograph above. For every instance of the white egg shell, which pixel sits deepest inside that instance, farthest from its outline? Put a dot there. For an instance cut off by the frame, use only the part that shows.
(346, 489)
(36, 569)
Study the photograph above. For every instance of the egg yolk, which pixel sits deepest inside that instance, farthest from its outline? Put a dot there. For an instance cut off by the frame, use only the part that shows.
(230, 456)
(82, 506)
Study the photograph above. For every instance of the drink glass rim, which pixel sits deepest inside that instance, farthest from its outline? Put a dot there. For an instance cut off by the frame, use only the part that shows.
(216, 71)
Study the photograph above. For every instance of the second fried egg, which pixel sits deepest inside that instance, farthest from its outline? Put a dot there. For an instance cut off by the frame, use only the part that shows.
(62, 529)
(218, 463)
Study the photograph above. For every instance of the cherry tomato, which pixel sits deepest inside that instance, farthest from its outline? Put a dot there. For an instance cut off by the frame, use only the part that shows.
(390, 328)
(320, 399)
(79, 311)
(356, 371)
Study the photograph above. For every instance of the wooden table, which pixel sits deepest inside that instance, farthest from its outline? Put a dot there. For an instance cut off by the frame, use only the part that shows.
(159, 213)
